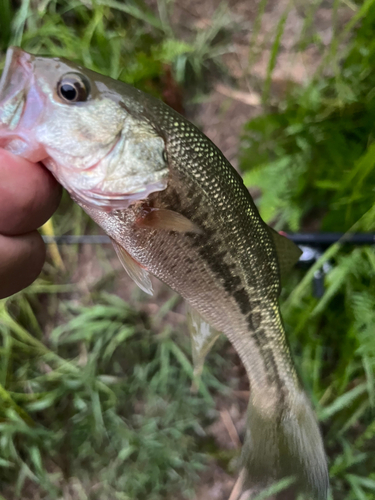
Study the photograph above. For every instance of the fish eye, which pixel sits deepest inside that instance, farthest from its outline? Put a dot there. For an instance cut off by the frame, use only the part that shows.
(73, 88)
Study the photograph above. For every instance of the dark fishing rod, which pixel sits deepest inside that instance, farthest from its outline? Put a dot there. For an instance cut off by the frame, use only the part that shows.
(312, 245)
(327, 239)
(314, 240)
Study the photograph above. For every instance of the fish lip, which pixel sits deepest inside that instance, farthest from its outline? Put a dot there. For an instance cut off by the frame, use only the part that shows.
(14, 82)
(15, 56)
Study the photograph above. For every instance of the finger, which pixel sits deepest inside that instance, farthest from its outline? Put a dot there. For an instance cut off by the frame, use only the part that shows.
(28, 194)
(21, 260)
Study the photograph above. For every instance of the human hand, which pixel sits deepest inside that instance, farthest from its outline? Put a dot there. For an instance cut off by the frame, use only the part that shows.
(28, 197)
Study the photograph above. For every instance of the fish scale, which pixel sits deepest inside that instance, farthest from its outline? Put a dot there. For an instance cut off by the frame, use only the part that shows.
(242, 239)
(175, 207)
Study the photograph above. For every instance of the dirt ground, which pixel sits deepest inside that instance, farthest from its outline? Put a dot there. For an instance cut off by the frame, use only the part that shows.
(229, 106)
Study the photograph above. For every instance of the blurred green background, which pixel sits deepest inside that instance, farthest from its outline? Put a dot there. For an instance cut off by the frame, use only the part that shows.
(95, 377)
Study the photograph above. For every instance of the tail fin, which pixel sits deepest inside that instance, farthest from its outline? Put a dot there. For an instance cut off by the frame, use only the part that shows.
(286, 444)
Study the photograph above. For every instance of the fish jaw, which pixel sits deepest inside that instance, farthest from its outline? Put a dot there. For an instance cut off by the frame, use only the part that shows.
(21, 107)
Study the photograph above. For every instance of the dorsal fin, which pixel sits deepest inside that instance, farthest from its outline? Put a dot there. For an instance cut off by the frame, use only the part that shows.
(139, 275)
(288, 252)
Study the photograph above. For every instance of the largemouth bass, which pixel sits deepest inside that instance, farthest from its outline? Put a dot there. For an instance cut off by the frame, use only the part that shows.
(175, 208)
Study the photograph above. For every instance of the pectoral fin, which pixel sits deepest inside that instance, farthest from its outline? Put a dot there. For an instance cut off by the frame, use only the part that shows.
(288, 252)
(203, 337)
(168, 220)
(139, 275)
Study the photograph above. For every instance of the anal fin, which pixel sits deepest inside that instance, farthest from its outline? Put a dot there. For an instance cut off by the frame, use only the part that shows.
(139, 275)
(203, 337)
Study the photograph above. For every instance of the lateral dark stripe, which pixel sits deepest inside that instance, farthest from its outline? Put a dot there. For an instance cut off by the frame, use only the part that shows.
(212, 249)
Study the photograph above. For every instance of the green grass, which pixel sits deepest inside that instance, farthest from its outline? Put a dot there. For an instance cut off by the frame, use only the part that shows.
(94, 391)
(105, 402)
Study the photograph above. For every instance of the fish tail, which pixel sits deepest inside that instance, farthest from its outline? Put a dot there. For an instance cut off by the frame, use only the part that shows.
(285, 443)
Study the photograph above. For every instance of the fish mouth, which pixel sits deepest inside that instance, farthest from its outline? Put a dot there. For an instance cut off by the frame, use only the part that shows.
(21, 104)
(18, 66)
(13, 85)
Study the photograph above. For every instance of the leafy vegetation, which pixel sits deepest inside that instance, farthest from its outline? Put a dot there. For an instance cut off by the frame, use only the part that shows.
(312, 156)
(140, 43)
(94, 390)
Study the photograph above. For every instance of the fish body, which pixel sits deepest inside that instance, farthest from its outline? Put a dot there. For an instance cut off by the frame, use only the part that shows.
(175, 208)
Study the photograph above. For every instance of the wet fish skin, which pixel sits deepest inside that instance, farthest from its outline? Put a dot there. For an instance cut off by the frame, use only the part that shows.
(228, 271)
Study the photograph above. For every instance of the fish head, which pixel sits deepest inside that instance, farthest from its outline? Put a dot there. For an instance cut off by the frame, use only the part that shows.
(71, 119)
